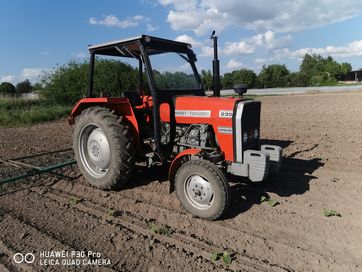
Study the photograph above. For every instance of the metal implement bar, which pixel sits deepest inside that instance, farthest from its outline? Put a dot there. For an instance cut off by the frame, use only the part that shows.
(10, 163)
(13, 162)
(36, 171)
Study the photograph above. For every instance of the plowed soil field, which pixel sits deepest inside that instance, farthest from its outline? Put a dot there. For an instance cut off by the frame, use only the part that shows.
(144, 228)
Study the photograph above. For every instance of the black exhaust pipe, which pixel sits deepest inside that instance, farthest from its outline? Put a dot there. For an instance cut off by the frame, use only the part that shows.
(215, 67)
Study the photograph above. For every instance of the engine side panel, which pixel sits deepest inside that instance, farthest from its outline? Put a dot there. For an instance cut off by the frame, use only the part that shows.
(216, 111)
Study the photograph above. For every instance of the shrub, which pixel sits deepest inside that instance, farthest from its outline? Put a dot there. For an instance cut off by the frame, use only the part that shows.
(7, 88)
(69, 83)
(24, 87)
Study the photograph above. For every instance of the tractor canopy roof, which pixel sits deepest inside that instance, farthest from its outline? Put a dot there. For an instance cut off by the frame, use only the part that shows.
(131, 47)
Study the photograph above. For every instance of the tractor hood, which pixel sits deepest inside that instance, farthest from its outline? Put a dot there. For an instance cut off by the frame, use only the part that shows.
(218, 112)
(200, 109)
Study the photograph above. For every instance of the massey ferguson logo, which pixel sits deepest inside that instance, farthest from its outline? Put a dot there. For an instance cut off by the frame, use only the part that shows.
(193, 113)
(225, 114)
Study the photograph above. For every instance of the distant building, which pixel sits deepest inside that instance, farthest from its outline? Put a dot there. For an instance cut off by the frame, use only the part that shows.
(355, 75)
(33, 95)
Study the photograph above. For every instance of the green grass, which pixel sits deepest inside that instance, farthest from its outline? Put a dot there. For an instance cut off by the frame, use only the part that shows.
(329, 213)
(225, 257)
(111, 212)
(17, 112)
(75, 200)
(163, 230)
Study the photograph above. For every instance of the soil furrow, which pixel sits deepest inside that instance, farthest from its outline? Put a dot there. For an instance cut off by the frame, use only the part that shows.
(197, 247)
(199, 229)
(231, 237)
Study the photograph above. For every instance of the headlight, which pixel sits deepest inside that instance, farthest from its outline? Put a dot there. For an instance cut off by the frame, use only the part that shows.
(245, 137)
(256, 134)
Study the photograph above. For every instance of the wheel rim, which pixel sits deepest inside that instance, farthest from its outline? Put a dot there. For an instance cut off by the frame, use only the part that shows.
(199, 192)
(94, 150)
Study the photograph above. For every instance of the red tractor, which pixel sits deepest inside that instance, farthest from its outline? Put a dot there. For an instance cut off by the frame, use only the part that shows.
(201, 137)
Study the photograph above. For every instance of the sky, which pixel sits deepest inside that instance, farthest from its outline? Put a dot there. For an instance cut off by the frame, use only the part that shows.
(40, 35)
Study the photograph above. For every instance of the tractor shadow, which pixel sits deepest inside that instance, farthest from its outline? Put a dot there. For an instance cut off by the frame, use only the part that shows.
(143, 176)
(293, 179)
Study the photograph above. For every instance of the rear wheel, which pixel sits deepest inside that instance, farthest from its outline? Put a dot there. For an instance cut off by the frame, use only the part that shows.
(202, 189)
(103, 148)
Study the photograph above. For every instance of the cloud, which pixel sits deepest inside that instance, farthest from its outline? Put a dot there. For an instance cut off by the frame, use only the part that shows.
(260, 60)
(201, 22)
(151, 28)
(353, 49)
(188, 39)
(113, 21)
(237, 48)
(8, 78)
(270, 41)
(32, 74)
(267, 40)
(79, 55)
(233, 64)
(207, 51)
(180, 5)
(202, 16)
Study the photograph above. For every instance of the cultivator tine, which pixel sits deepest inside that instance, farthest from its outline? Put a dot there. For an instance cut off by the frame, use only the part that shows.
(10, 163)
(32, 169)
(13, 162)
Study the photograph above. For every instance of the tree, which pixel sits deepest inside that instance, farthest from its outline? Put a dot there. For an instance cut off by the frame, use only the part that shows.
(272, 76)
(24, 87)
(7, 88)
(69, 83)
(319, 70)
(311, 65)
(331, 68)
(38, 86)
(244, 76)
(228, 81)
(206, 78)
(298, 79)
(345, 68)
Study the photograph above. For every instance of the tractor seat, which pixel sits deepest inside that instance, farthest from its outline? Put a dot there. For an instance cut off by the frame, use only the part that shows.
(142, 114)
(133, 97)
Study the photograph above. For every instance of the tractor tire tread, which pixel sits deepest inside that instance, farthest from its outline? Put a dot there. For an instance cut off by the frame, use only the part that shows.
(220, 180)
(118, 130)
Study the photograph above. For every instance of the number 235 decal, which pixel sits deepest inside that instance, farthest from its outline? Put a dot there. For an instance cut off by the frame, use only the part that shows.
(225, 114)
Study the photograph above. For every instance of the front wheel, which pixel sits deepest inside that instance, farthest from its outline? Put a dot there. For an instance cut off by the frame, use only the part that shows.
(202, 189)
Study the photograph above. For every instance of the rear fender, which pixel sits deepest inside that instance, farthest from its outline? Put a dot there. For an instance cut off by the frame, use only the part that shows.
(119, 105)
(176, 163)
